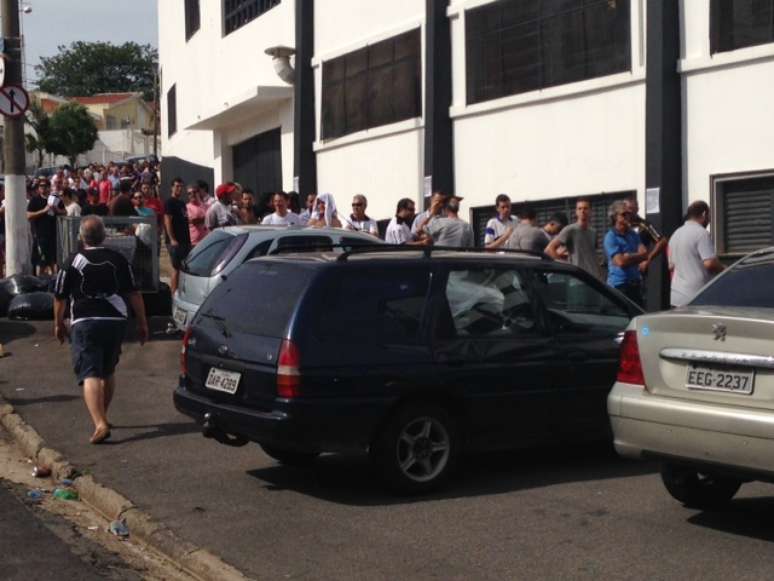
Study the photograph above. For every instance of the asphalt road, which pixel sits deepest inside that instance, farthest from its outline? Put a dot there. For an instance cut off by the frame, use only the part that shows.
(579, 513)
(31, 551)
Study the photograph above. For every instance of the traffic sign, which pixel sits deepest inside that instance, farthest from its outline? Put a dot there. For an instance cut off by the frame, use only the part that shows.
(14, 100)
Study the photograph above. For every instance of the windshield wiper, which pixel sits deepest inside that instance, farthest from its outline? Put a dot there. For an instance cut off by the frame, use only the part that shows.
(221, 322)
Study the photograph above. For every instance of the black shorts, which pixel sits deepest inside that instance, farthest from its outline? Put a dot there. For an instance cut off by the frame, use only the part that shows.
(46, 251)
(96, 347)
(178, 254)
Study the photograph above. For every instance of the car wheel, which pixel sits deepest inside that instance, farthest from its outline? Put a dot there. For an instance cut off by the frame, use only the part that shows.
(698, 489)
(417, 449)
(290, 457)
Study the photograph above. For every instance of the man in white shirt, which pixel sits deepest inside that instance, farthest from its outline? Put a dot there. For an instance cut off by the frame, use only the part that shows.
(499, 229)
(398, 230)
(692, 257)
(358, 221)
(281, 216)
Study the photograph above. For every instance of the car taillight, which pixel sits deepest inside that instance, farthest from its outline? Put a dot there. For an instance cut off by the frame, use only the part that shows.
(288, 373)
(630, 367)
(184, 351)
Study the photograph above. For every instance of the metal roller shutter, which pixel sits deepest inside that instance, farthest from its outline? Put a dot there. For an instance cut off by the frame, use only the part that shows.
(746, 215)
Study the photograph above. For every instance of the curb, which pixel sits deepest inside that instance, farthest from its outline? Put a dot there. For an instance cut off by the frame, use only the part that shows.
(196, 561)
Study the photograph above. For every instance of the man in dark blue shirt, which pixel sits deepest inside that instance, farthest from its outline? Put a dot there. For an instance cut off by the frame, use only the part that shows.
(625, 251)
(97, 280)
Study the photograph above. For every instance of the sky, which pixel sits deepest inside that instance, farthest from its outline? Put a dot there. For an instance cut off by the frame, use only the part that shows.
(55, 22)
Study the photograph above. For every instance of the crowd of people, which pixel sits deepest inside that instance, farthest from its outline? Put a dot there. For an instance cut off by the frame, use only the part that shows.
(190, 212)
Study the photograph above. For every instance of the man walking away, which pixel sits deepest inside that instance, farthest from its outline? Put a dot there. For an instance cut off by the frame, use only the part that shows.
(625, 252)
(692, 257)
(176, 227)
(580, 240)
(94, 281)
(447, 230)
(527, 235)
(500, 228)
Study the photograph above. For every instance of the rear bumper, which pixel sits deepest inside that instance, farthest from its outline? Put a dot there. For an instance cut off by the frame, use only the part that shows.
(189, 309)
(645, 425)
(304, 426)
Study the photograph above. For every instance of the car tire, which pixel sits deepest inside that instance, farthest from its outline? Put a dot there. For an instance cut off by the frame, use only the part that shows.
(697, 489)
(417, 449)
(290, 457)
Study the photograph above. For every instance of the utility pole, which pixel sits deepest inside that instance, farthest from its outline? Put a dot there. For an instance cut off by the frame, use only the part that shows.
(17, 233)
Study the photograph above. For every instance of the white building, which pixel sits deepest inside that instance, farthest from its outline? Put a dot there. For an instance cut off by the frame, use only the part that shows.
(545, 100)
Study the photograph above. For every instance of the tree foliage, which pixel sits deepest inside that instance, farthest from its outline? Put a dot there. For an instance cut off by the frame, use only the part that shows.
(88, 68)
(72, 131)
(40, 122)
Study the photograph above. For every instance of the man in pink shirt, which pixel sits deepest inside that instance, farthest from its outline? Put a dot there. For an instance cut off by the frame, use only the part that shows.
(105, 189)
(197, 211)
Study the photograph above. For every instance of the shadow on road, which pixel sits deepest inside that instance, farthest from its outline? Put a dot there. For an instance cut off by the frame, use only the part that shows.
(12, 330)
(748, 517)
(21, 402)
(154, 431)
(352, 481)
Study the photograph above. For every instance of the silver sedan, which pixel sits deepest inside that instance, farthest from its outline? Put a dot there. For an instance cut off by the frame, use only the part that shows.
(695, 387)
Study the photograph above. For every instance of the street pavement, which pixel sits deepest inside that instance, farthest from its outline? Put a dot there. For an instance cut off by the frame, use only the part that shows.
(574, 513)
(30, 551)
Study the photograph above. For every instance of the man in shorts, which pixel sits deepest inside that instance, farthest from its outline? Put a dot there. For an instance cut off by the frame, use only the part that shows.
(178, 232)
(97, 281)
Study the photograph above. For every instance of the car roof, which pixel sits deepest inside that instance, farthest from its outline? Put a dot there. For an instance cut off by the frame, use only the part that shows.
(267, 232)
(404, 255)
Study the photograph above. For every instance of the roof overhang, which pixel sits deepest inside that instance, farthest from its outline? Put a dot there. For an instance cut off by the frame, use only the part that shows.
(240, 108)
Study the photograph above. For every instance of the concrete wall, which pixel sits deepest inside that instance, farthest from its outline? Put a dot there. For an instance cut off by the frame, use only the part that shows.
(728, 112)
(385, 163)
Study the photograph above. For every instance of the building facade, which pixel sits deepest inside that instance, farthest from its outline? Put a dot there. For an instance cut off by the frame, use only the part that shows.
(545, 100)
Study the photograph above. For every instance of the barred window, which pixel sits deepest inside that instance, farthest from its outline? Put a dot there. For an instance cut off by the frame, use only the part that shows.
(237, 13)
(740, 23)
(192, 18)
(516, 46)
(744, 208)
(172, 111)
(373, 86)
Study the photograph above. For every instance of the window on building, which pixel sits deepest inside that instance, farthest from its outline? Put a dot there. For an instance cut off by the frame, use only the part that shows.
(516, 46)
(744, 213)
(740, 23)
(172, 111)
(237, 13)
(373, 86)
(192, 18)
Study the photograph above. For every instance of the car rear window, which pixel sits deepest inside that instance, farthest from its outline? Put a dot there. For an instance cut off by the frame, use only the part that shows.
(204, 257)
(750, 285)
(259, 298)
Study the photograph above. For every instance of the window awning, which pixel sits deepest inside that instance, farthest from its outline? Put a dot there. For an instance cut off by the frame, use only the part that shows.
(242, 107)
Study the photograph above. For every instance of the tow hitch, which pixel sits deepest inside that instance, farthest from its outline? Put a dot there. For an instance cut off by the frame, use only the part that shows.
(211, 430)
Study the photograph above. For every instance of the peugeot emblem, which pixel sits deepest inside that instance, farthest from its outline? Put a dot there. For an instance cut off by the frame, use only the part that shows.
(223, 350)
(719, 330)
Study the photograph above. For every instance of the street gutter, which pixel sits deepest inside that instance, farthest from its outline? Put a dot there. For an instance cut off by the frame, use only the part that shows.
(196, 561)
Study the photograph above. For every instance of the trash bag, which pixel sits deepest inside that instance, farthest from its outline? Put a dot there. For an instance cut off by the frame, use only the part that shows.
(19, 284)
(35, 306)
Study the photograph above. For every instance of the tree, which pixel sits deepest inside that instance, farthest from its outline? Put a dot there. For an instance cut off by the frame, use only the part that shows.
(38, 119)
(72, 131)
(88, 68)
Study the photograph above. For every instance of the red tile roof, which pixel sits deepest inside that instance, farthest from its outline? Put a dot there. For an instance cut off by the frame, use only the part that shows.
(105, 98)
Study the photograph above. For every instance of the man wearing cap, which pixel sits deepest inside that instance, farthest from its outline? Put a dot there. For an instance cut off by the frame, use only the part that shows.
(444, 225)
(220, 214)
